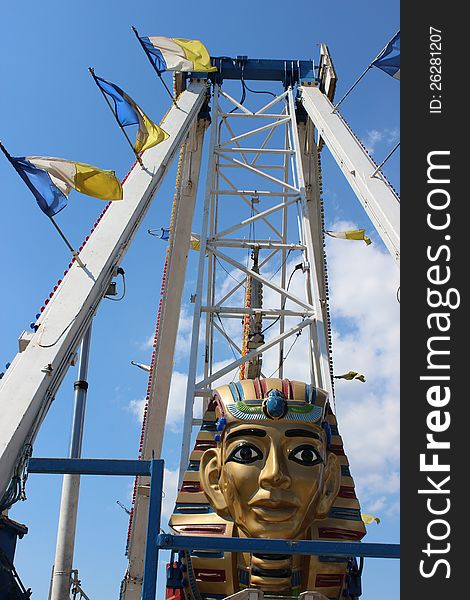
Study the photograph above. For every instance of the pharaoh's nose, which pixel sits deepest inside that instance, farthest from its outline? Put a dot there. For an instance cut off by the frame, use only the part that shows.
(274, 473)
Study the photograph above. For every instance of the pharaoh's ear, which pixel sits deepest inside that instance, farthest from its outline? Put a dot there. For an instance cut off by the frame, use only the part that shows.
(331, 482)
(209, 475)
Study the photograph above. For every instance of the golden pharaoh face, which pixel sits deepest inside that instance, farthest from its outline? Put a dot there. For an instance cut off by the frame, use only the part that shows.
(271, 472)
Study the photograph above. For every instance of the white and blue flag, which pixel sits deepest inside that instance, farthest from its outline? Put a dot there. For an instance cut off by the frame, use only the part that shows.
(389, 59)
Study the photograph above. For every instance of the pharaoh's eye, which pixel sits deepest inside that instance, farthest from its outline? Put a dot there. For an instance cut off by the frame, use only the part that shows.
(306, 455)
(245, 454)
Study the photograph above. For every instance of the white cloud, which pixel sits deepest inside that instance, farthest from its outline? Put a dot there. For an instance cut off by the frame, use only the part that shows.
(176, 401)
(375, 137)
(170, 490)
(177, 398)
(365, 314)
(183, 338)
(136, 407)
(148, 343)
(376, 506)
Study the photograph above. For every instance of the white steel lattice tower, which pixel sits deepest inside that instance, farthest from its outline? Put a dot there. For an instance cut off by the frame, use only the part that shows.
(283, 218)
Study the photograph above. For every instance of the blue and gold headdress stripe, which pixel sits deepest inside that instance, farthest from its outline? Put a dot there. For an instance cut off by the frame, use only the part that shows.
(265, 399)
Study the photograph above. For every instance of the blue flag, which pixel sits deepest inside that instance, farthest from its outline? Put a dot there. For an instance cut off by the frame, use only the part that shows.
(124, 110)
(389, 59)
(49, 197)
(154, 54)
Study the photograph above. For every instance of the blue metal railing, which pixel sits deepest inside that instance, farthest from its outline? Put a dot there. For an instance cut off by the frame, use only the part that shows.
(273, 546)
(156, 541)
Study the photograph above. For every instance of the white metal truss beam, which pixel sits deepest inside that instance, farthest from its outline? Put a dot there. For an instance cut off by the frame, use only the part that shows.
(259, 215)
(254, 132)
(243, 243)
(236, 192)
(232, 310)
(258, 171)
(164, 351)
(245, 199)
(263, 348)
(238, 285)
(374, 192)
(263, 280)
(227, 337)
(30, 383)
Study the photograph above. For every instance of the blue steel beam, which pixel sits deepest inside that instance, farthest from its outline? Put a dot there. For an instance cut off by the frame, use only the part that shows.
(315, 548)
(289, 72)
(89, 466)
(149, 583)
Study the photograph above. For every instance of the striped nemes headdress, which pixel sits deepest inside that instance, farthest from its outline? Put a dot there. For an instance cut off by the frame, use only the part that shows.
(212, 575)
(270, 400)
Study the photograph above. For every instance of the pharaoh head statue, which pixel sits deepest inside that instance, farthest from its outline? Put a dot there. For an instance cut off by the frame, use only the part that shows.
(271, 472)
(268, 462)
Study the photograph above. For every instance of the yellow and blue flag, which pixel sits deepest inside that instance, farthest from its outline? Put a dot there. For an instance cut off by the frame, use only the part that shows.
(177, 54)
(389, 59)
(51, 180)
(127, 112)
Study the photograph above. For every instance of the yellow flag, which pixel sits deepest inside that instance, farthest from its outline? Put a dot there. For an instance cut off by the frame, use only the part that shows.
(197, 53)
(351, 375)
(351, 234)
(97, 182)
(368, 519)
(195, 242)
(149, 133)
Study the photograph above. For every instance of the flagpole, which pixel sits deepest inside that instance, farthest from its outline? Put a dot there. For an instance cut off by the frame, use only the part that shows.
(70, 247)
(352, 87)
(358, 80)
(384, 161)
(139, 160)
(153, 65)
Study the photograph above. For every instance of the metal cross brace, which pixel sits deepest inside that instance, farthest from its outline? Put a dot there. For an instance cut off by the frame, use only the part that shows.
(306, 547)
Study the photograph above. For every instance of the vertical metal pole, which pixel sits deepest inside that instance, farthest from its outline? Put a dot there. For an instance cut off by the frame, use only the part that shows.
(317, 342)
(192, 367)
(149, 584)
(62, 573)
(283, 251)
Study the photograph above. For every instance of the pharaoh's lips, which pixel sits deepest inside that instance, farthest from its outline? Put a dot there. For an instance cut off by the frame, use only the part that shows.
(275, 511)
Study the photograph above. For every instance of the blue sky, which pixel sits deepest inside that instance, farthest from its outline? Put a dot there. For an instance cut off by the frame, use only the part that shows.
(50, 106)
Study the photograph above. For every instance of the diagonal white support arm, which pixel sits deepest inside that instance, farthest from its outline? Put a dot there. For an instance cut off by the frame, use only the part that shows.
(374, 192)
(263, 348)
(29, 385)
